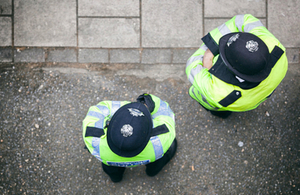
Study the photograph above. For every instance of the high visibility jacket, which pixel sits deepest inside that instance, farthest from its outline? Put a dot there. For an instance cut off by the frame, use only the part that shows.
(218, 89)
(95, 129)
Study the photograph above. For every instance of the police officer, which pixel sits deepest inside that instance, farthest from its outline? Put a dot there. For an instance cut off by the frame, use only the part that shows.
(238, 66)
(126, 134)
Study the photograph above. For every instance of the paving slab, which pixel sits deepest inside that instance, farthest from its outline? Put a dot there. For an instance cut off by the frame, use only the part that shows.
(124, 56)
(5, 7)
(61, 55)
(29, 55)
(5, 31)
(283, 17)
(109, 8)
(93, 55)
(217, 8)
(97, 32)
(182, 55)
(153, 56)
(45, 23)
(171, 23)
(293, 55)
(6, 55)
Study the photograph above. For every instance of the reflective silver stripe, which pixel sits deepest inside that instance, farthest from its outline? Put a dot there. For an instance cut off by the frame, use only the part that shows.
(115, 106)
(203, 98)
(193, 59)
(239, 21)
(100, 123)
(224, 29)
(96, 151)
(157, 146)
(203, 47)
(250, 26)
(95, 114)
(105, 112)
(194, 72)
(103, 109)
(165, 110)
(193, 90)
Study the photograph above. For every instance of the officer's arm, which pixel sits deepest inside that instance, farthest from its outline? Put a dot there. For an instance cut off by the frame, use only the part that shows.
(100, 113)
(161, 108)
(163, 114)
(93, 124)
(195, 63)
(97, 115)
(239, 23)
(95, 121)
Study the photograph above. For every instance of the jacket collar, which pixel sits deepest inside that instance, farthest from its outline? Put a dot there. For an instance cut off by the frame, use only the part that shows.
(220, 71)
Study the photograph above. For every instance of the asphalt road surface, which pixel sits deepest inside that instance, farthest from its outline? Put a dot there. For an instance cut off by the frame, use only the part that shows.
(42, 150)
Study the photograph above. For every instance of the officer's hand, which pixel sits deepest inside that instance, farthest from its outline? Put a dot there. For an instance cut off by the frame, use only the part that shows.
(208, 59)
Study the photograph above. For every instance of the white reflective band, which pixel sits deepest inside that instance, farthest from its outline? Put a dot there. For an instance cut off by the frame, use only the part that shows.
(239, 21)
(103, 109)
(96, 151)
(203, 47)
(250, 26)
(193, 90)
(158, 149)
(115, 106)
(163, 109)
(203, 98)
(95, 114)
(193, 59)
(224, 30)
(194, 72)
(99, 123)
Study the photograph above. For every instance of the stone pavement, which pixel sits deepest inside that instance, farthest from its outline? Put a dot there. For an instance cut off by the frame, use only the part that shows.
(58, 57)
(129, 31)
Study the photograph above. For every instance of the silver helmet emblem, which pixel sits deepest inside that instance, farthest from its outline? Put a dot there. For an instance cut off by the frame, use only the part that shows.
(232, 39)
(127, 130)
(135, 112)
(252, 46)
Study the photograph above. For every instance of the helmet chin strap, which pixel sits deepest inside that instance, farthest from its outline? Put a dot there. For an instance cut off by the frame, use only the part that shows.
(240, 80)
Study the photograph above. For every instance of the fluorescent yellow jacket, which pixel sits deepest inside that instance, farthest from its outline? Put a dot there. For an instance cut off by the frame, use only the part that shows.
(213, 91)
(97, 117)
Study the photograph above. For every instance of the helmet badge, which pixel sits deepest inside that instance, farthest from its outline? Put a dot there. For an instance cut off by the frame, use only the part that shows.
(135, 112)
(252, 46)
(127, 130)
(232, 39)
